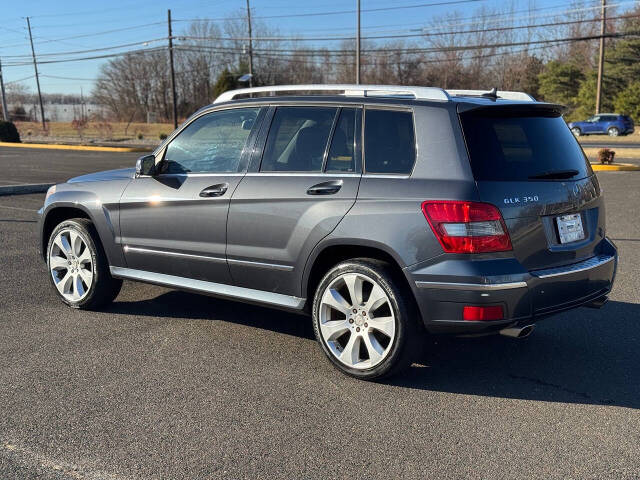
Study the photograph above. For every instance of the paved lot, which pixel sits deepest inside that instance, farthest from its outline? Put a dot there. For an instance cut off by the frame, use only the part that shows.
(174, 385)
(20, 165)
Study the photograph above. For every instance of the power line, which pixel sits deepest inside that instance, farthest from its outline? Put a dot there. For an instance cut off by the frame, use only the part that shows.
(338, 12)
(430, 34)
(92, 50)
(95, 57)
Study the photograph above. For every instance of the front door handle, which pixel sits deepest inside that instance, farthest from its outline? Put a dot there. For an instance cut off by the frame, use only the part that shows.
(215, 190)
(325, 188)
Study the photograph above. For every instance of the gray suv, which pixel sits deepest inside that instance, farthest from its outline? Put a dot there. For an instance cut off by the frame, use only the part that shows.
(385, 212)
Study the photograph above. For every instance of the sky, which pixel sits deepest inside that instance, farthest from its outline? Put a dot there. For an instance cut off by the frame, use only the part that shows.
(93, 23)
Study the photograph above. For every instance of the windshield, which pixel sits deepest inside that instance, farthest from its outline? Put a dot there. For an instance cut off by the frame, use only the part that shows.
(520, 148)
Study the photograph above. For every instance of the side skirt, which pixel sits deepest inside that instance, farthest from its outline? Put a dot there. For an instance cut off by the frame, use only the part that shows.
(211, 288)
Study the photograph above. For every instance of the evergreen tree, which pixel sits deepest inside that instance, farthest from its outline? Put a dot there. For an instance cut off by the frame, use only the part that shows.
(226, 81)
(628, 100)
(560, 83)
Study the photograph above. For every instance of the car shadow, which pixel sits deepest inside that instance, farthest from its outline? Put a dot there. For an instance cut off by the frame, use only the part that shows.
(179, 304)
(583, 356)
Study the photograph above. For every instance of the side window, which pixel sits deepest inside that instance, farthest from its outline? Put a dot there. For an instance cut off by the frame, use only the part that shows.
(342, 151)
(297, 139)
(211, 144)
(389, 141)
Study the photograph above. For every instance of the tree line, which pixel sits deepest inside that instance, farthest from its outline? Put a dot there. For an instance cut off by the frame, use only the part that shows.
(471, 49)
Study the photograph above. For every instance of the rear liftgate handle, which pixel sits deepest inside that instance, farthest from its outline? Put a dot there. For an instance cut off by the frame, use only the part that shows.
(325, 188)
(215, 190)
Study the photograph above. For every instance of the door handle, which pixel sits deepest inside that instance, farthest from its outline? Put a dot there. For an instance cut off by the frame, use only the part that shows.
(325, 188)
(215, 190)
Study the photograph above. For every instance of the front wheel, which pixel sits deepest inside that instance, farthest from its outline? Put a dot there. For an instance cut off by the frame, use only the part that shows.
(78, 267)
(363, 320)
(576, 131)
(613, 132)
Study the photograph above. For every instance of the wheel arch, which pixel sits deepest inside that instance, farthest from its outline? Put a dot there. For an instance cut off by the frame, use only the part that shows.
(56, 215)
(326, 256)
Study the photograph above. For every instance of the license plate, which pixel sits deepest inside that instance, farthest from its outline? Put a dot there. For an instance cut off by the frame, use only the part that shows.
(570, 228)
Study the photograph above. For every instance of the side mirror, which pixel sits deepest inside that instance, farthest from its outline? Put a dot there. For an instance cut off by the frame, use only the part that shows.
(146, 165)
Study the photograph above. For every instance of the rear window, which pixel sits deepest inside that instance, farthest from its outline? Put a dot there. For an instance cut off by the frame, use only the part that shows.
(515, 148)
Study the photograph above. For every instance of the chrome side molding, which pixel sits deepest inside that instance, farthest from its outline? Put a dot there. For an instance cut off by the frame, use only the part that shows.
(210, 288)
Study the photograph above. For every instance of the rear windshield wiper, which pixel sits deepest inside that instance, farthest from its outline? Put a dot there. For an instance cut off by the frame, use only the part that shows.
(555, 174)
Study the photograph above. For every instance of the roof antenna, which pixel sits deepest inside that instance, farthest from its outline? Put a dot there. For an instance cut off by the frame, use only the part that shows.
(492, 94)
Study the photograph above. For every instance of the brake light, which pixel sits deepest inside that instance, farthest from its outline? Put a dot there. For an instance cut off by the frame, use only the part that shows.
(467, 227)
(472, 313)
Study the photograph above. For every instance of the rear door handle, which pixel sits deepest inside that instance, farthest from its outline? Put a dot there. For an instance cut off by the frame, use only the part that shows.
(325, 188)
(215, 190)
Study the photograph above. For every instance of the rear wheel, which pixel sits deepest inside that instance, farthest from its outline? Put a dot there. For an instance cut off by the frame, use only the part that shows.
(576, 131)
(363, 320)
(613, 131)
(78, 266)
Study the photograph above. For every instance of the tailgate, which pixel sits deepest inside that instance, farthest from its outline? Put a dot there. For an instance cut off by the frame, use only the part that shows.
(526, 161)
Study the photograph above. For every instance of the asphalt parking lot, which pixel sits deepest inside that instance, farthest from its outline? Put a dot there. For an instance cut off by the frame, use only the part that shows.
(20, 165)
(166, 384)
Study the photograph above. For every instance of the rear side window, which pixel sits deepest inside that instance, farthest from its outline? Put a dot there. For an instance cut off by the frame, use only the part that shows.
(516, 148)
(389, 141)
(342, 151)
(297, 139)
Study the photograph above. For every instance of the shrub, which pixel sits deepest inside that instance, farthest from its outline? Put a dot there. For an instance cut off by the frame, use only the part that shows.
(163, 136)
(79, 125)
(140, 136)
(105, 130)
(9, 132)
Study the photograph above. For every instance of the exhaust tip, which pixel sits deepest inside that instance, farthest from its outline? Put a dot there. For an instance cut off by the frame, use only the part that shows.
(517, 332)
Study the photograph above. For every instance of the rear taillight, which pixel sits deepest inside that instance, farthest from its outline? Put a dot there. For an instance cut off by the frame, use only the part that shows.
(467, 227)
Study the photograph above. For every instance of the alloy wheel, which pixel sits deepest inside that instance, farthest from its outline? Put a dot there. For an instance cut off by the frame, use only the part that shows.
(71, 265)
(357, 322)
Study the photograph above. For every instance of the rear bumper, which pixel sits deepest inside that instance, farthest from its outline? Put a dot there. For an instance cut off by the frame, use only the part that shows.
(443, 289)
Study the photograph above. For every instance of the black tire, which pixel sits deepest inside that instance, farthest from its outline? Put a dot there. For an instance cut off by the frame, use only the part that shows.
(407, 334)
(613, 131)
(104, 288)
(576, 131)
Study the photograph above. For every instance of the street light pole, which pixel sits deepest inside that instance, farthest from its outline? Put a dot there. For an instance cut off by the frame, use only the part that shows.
(35, 67)
(603, 22)
(358, 46)
(173, 73)
(3, 96)
(250, 45)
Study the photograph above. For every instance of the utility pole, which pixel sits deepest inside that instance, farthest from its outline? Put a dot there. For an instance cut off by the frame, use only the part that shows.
(3, 97)
(173, 73)
(35, 67)
(250, 46)
(358, 48)
(603, 22)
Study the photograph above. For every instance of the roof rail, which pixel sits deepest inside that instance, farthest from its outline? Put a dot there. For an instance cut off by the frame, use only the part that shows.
(419, 93)
(500, 94)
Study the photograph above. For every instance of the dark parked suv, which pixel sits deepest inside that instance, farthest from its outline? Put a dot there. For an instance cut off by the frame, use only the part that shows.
(381, 211)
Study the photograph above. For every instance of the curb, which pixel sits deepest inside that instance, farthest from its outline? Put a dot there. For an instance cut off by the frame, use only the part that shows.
(616, 167)
(24, 189)
(55, 146)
